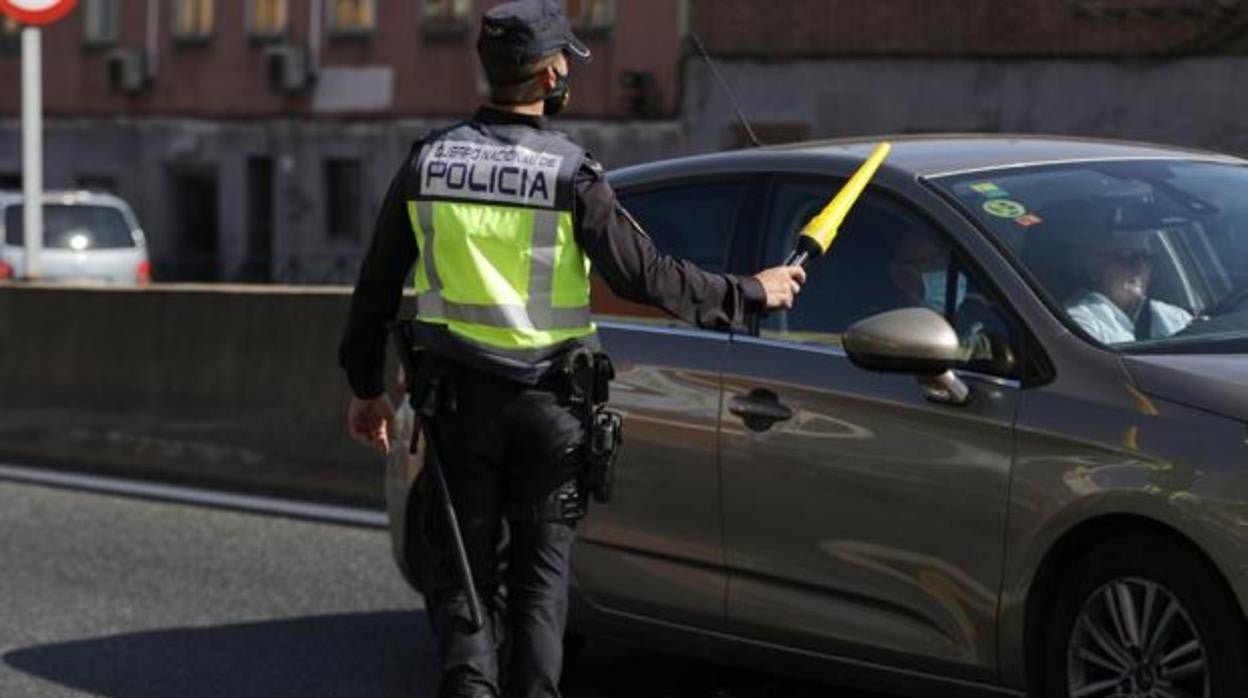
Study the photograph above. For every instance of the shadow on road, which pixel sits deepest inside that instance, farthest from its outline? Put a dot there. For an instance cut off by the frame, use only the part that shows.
(344, 656)
(624, 670)
(374, 655)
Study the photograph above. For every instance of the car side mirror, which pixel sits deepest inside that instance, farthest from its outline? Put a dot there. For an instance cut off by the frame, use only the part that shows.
(916, 341)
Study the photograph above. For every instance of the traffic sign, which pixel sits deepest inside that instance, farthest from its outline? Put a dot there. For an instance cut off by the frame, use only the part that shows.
(37, 12)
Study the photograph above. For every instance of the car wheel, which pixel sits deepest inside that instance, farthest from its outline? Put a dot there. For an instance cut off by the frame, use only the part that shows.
(1144, 617)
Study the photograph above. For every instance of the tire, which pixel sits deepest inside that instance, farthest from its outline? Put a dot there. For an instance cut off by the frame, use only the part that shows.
(1187, 642)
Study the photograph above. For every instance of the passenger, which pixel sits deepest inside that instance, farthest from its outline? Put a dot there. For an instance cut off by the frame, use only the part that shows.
(1116, 308)
(919, 274)
(917, 270)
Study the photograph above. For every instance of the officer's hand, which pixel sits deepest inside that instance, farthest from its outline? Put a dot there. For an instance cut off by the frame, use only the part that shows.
(369, 421)
(782, 285)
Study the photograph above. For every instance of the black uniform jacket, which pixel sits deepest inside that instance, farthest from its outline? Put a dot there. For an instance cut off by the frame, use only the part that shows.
(625, 258)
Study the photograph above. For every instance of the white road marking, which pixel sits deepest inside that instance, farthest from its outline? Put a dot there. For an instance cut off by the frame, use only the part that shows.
(197, 496)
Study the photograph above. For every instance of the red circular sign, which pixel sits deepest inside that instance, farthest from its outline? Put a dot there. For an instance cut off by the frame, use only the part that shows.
(37, 11)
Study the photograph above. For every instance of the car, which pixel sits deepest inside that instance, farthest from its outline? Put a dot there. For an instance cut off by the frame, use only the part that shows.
(88, 237)
(964, 460)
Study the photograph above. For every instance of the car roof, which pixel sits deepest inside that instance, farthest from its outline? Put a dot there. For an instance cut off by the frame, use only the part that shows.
(930, 155)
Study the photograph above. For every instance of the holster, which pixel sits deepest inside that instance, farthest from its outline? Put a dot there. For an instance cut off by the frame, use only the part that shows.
(587, 376)
(423, 370)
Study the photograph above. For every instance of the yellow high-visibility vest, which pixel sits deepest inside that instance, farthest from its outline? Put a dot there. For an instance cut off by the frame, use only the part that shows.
(492, 214)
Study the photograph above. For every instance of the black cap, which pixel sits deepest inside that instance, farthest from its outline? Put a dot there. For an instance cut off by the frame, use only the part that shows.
(516, 34)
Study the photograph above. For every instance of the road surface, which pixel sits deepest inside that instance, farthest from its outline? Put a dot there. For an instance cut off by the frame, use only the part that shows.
(114, 596)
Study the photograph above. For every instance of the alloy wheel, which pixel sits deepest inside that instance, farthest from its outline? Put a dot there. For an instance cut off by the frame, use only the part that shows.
(1134, 639)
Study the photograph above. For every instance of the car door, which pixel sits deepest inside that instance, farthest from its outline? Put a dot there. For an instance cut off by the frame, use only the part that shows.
(657, 549)
(861, 519)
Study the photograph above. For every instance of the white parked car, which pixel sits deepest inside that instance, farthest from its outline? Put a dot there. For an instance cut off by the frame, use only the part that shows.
(87, 236)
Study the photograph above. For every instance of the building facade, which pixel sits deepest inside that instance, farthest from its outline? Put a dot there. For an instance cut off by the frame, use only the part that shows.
(256, 138)
(1168, 71)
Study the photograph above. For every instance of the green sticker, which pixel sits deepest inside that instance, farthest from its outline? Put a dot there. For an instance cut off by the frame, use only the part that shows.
(990, 190)
(1004, 208)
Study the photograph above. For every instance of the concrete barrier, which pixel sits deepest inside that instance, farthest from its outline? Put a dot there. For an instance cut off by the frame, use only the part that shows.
(230, 386)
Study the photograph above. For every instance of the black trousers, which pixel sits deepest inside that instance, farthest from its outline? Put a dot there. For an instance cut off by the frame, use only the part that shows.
(504, 447)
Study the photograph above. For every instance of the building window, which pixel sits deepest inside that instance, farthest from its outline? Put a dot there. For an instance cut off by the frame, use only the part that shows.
(446, 19)
(258, 267)
(193, 19)
(342, 180)
(352, 16)
(266, 18)
(591, 15)
(99, 22)
(455, 10)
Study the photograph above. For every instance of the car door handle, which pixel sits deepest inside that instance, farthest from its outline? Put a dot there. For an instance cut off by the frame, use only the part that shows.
(759, 409)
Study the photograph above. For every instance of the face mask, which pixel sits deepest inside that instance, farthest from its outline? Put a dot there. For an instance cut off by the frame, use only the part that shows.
(558, 97)
(934, 286)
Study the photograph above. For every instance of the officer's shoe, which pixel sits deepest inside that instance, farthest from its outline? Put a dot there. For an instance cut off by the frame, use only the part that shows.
(474, 692)
(463, 685)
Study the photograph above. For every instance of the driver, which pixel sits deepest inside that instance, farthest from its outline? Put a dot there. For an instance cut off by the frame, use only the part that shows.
(1114, 307)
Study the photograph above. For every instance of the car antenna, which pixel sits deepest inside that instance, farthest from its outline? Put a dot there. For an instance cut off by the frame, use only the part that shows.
(749, 132)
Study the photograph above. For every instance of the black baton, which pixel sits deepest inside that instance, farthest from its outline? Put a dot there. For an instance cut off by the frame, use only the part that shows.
(422, 386)
(434, 462)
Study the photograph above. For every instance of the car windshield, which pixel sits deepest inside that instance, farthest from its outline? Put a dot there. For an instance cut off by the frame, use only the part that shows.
(73, 227)
(1140, 255)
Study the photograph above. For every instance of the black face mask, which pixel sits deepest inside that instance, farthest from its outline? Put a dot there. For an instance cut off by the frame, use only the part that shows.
(558, 97)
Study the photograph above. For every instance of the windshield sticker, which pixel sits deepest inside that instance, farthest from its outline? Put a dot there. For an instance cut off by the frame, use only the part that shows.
(1004, 208)
(990, 190)
(1028, 220)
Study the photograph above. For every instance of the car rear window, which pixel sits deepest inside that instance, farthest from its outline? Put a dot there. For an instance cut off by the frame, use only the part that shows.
(73, 227)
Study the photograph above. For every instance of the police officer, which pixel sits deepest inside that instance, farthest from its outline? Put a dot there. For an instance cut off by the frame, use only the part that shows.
(500, 215)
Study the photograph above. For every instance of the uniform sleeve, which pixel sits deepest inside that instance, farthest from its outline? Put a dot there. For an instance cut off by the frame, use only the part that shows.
(378, 292)
(637, 271)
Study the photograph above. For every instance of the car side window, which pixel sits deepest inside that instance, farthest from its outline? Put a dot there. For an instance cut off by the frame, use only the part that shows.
(886, 257)
(690, 221)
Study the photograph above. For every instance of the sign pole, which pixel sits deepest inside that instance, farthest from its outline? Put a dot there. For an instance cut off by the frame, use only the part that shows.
(32, 149)
(33, 14)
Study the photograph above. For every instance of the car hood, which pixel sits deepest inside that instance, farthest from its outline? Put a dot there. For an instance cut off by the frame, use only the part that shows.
(1215, 383)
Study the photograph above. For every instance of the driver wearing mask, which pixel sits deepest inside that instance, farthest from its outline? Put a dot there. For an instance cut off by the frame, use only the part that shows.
(1115, 307)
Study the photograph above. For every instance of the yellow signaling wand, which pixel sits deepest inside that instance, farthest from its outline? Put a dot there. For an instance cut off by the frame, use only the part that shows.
(819, 233)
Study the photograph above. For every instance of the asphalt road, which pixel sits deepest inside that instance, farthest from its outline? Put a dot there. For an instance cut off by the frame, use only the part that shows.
(102, 595)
